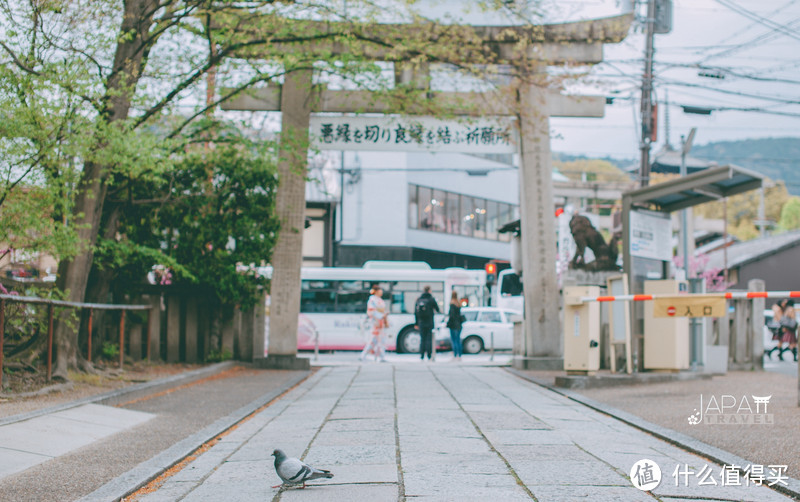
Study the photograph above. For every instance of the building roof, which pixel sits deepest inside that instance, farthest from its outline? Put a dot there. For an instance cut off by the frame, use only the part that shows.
(745, 252)
(668, 160)
(702, 186)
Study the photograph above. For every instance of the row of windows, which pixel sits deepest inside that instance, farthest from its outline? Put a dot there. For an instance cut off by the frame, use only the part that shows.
(348, 297)
(343, 297)
(453, 213)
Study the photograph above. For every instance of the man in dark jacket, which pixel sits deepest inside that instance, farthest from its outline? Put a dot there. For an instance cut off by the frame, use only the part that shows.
(424, 311)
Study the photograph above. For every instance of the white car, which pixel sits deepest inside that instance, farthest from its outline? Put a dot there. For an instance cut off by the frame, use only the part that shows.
(484, 326)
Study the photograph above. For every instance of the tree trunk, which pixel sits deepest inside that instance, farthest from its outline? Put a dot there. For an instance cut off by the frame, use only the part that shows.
(129, 62)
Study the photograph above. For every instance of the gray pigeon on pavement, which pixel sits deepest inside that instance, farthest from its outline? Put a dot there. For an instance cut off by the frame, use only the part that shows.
(294, 471)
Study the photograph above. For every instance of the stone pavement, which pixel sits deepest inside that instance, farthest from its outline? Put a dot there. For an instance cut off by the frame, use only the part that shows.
(442, 431)
(32, 442)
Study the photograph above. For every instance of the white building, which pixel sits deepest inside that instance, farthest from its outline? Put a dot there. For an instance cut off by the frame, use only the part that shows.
(441, 208)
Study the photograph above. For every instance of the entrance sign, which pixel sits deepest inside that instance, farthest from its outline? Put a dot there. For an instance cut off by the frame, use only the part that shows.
(650, 236)
(414, 134)
(690, 306)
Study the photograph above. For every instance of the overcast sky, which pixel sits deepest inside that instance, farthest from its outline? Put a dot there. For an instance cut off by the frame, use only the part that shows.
(755, 44)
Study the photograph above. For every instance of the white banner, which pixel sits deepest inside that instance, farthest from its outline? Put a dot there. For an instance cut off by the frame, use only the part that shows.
(415, 134)
(650, 236)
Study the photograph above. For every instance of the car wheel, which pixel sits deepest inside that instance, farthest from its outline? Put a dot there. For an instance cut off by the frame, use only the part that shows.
(409, 342)
(472, 345)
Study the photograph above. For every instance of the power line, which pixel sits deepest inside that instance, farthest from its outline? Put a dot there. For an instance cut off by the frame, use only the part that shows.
(746, 28)
(783, 29)
(733, 93)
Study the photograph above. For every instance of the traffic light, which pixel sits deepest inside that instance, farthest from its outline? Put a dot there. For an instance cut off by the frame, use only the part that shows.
(491, 273)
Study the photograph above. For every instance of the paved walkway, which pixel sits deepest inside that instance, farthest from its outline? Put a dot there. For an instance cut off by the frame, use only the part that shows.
(32, 442)
(441, 432)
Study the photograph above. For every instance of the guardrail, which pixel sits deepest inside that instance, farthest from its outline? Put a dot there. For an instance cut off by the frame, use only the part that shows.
(727, 295)
(77, 305)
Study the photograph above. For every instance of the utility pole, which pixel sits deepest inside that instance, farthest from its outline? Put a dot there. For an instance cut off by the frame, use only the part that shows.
(647, 95)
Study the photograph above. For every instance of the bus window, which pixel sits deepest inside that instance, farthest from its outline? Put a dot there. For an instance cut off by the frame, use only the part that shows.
(471, 296)
(398, 303)
(407, 293)
(318, 296)
(437, 290)
(351, 297)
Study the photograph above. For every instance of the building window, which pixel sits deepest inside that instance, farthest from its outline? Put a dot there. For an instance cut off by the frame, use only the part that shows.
(413, 207)
(492, 220)
(425, 208)
(453, 213)
(438, 203)
(459, 214)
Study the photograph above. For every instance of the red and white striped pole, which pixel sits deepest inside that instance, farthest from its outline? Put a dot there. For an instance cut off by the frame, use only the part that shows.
(727, 295)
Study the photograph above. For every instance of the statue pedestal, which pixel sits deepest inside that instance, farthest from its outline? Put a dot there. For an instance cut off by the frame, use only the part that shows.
(588, 278)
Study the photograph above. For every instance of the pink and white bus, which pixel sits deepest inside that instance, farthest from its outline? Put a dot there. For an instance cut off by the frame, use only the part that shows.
(333, 301)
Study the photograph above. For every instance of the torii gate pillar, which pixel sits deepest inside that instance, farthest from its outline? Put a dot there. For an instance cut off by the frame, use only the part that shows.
(542, 326)
(290, 203)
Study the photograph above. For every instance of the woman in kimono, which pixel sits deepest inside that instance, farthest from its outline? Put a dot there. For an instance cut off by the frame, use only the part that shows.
(377, 322)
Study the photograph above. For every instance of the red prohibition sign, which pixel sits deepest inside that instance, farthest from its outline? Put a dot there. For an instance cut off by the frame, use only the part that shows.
(670, 310)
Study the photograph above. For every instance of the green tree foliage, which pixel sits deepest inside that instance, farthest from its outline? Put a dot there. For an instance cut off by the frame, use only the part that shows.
(790, 215)
(210, 221)
(590, 170)
(743, 210)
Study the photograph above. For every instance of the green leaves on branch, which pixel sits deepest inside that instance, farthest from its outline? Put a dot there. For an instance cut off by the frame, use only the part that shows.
(212, 211)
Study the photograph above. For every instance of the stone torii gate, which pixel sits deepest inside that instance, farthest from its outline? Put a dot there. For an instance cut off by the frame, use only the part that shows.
(532, 105)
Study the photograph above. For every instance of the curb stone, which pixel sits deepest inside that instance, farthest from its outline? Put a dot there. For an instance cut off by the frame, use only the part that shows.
(681, 440)
(139, 476)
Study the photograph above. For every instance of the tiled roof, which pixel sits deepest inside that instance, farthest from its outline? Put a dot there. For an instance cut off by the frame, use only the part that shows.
(752, 250)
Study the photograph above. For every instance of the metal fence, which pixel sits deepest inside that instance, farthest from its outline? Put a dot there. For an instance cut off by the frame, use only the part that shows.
(51, 305)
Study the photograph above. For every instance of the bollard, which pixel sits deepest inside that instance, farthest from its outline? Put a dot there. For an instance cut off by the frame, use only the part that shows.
(433, 344)
(316, 345)
(491, 345)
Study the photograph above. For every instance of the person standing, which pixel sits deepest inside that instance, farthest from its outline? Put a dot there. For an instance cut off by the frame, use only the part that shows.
(377, 322)
(424, 310)
(789, 326)
(776, 329)
(454, 323)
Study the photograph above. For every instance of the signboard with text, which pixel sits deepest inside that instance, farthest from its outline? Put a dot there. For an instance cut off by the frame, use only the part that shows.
(404, 134)
(690, 306)
(650, 236)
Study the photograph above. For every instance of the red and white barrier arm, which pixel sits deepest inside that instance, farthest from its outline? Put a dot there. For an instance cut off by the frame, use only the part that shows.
(727, 295)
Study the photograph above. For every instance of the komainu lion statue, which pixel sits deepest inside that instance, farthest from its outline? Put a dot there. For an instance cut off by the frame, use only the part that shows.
(586, 236)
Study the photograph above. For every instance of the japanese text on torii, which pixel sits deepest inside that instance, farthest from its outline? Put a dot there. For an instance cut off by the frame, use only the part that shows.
(413, 133)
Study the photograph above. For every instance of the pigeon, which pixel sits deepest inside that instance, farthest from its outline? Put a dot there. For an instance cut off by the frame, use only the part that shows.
(294, 471)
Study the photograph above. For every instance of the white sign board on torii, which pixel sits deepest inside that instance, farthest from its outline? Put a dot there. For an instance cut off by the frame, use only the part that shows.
(403, 134)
